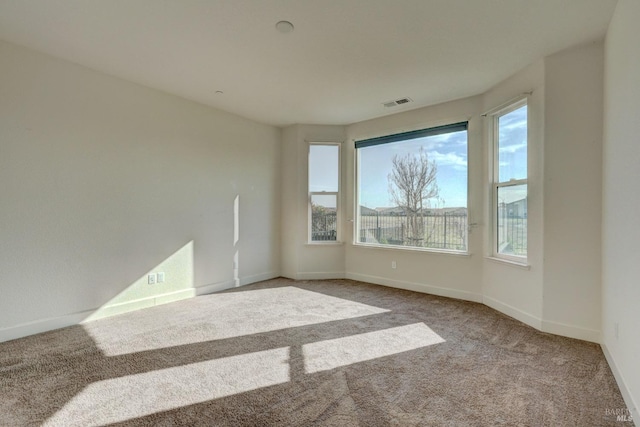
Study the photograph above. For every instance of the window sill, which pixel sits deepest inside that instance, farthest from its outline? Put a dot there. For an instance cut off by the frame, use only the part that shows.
(511, 263)
(325, 243)
(410, 249)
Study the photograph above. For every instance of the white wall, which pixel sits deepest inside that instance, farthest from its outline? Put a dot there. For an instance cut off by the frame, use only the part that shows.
(301, 260)
(104, 181)
(512, 289)
(456, 276)
(620, 201)
(559, 292)
(572, 191)
(291, 205)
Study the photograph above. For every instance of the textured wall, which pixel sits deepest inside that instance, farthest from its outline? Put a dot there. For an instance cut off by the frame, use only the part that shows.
(620, 202)
(104, 181)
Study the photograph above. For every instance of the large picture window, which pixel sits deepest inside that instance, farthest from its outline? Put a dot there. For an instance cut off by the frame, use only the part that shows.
(510, 182)
(412, 189)
(324, 185)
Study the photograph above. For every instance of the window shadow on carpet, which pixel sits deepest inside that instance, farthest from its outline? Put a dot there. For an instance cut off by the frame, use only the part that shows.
(293, 353)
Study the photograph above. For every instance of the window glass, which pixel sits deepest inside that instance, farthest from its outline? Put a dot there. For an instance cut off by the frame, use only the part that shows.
(413, 192)
(512, 143)
(512, 220)
(323, 217)
(324, 182)
(510, 184)
(323, 168)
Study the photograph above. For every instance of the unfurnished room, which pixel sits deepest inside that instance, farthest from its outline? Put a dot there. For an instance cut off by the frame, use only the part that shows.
(322, 212)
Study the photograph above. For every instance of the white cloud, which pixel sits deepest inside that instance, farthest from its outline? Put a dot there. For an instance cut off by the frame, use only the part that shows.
(448, 159)
(511, 125)
(513, 148)
(455, 139)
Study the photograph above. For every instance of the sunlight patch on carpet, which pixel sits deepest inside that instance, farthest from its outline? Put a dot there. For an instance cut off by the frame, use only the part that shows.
(221, 316)
(331, 354)
(109, 401)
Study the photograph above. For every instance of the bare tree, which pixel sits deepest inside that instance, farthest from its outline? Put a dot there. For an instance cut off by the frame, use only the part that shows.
(412, 183)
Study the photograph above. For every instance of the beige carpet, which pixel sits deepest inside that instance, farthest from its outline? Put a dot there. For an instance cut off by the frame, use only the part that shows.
(287, 353)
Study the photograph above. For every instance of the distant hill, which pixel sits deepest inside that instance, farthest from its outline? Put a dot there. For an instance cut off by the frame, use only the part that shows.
(367, 211)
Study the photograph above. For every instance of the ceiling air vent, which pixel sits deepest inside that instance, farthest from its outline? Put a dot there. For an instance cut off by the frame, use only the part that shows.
(396, 102)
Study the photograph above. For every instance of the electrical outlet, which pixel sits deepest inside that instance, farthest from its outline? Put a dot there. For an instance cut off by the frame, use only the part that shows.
(160, 277)
(393, 264)
(151, 279)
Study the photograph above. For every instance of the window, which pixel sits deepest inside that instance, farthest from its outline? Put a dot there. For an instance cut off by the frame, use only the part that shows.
(510, 182)
(412, 189)
(324, 185)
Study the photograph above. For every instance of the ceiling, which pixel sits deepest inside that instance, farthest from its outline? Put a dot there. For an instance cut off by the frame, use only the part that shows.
(344, 59)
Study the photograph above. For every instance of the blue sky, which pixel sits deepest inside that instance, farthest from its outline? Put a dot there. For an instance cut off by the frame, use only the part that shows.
(451, 156)
(449, 152)
(513, 145)
(323, 167)
(324, 173)
(512, 153)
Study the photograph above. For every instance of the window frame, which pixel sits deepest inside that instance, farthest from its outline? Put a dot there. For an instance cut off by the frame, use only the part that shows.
(310, 195)
(426, 130)
(496, 184)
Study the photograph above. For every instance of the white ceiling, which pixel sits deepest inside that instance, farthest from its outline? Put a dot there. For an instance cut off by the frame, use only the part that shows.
(342, 61)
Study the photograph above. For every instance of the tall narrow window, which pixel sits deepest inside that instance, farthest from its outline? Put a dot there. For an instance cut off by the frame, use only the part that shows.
(510, 182)
(412, 189)
(324, 190)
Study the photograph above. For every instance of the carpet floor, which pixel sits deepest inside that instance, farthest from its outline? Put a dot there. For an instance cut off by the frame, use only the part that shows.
(307, 353)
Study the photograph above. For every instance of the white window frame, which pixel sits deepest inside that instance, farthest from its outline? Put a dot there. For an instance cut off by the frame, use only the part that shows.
(496, 184)
(324, 193)
(356, 212)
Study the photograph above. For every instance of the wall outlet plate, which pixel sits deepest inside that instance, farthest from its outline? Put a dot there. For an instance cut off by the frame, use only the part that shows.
(160, 277)
(151, 279)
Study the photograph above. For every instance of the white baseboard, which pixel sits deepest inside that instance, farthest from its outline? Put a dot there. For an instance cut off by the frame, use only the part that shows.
(51, 323)
(516, 313)
(624, 390)
(215, 287)
(526, 318)
(556, 328)
(288, 276)
(571, 331)
(222, 286)
(42, 325)
(322, 275)
(127, 306)
(258, 277)
(417, 287)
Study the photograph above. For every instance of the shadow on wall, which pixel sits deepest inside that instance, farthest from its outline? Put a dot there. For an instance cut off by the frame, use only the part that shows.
(127, 282)
(176, 274)
(171, 280)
